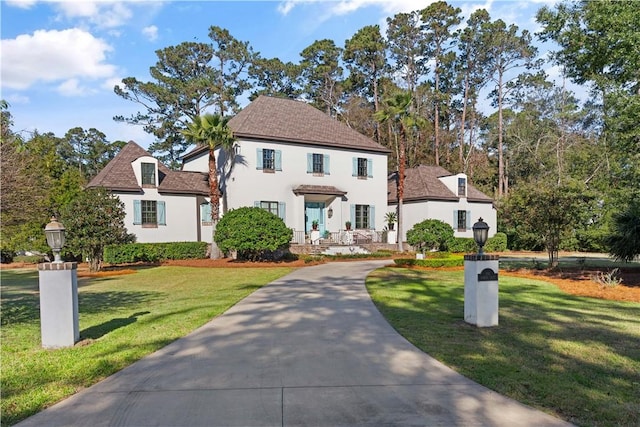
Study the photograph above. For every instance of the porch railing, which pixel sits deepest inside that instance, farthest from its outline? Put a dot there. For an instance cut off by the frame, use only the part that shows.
(342, 237)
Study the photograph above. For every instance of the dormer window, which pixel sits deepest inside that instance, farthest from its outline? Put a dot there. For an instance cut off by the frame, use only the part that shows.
(462, 187)
(148, 175)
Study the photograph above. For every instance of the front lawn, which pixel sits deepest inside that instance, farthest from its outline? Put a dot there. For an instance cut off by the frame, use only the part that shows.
(122, 319)
(575, 357)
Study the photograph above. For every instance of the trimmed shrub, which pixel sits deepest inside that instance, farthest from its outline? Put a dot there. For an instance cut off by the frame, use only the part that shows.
(254, 234)
(430, 262)
(154, 252)
(497, 243)
(463, 245)
(430, 234)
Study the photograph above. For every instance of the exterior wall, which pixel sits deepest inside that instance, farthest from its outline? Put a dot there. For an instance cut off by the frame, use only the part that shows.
(182, 217)
(246, 184)
(415, 212)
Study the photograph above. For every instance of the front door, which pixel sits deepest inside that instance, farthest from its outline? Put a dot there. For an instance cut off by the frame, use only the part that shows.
(314, 211)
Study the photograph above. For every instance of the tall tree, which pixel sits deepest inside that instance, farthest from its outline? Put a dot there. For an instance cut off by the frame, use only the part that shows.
(232, 60)
(599, 45)
(180, 91)
(437, 21)
(406, 48)
(88, 150)
(322, 74)
(506, 51)
(365, 56)
(212, 130)
(397, 111)
(470, 63)
(274, 78)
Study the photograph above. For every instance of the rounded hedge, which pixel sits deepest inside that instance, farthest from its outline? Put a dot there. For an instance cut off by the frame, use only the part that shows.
(253, 233)
(430, 234)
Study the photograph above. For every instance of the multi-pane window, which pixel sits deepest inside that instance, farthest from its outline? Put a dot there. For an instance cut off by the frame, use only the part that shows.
(148, 174)
(362, 216)
(462, 220)
(149, 212)
(462, 187)
(362, 167)
(318, 163)
(268, 159)
(270, 207)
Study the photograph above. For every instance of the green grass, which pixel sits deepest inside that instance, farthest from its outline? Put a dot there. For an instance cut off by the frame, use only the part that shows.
(122, 319)
(577, 358)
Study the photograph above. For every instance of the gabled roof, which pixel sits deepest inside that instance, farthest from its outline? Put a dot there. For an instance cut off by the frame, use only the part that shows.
(422, 183)
(291, 121)
(118, 175)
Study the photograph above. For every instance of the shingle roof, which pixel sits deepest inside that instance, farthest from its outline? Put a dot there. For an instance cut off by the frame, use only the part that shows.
(318, 189)
(287, 120)
(118, 175)
(422, 183)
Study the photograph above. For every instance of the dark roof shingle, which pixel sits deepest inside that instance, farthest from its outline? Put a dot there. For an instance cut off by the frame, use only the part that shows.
(287, 120)
(422, 183)
(118, 175)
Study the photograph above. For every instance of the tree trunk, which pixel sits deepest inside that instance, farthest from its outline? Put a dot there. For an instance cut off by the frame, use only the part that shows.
(401, 170)
(214, 193)
(501, 176)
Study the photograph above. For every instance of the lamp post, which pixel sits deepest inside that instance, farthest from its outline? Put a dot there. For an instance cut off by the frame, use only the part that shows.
(481, 282)
(480, 234)
(55, 237)
(58, 283)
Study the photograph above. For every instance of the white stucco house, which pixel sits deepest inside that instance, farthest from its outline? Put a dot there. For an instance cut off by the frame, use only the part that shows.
(432, 192)
(295, 161)
(289, 158)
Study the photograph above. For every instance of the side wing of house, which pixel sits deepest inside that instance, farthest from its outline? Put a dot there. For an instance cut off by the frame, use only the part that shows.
(433, 193)
(160, 205)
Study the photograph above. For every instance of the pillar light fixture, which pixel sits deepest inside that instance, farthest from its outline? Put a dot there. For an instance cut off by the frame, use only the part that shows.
(480, 234)
(54, 231)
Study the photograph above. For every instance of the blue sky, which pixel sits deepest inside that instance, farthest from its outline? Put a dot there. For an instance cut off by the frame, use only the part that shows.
(61, 59)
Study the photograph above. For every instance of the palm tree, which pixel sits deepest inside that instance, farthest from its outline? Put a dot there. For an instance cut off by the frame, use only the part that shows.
(211, 130)
(397, 110)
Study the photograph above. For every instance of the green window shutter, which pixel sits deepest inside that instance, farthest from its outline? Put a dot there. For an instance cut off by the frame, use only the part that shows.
(205, 212)
(278, 164)
(282, 211)
(137, 212)
(468, 220)
(455, 220)
(259, 158)
(353, 216)
(309, 162)
(370, 168)
(326, 165)
(355, 167)
(372, 217)
(162, 213)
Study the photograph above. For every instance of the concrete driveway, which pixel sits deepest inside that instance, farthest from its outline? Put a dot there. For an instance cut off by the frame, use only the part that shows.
(307, 349)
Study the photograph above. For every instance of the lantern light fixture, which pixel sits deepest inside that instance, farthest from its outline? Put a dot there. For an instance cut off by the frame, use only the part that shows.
(54, 231)
(480, 234)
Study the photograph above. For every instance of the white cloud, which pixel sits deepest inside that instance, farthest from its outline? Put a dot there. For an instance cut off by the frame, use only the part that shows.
(22, 4)
(150, 32)
(16, 98)
(285, 7)
(104, 14)
(50, 56)
(72, 87)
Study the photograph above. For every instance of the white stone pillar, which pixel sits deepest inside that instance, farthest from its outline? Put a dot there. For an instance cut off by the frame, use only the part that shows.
(58, 284)
(481, 290)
